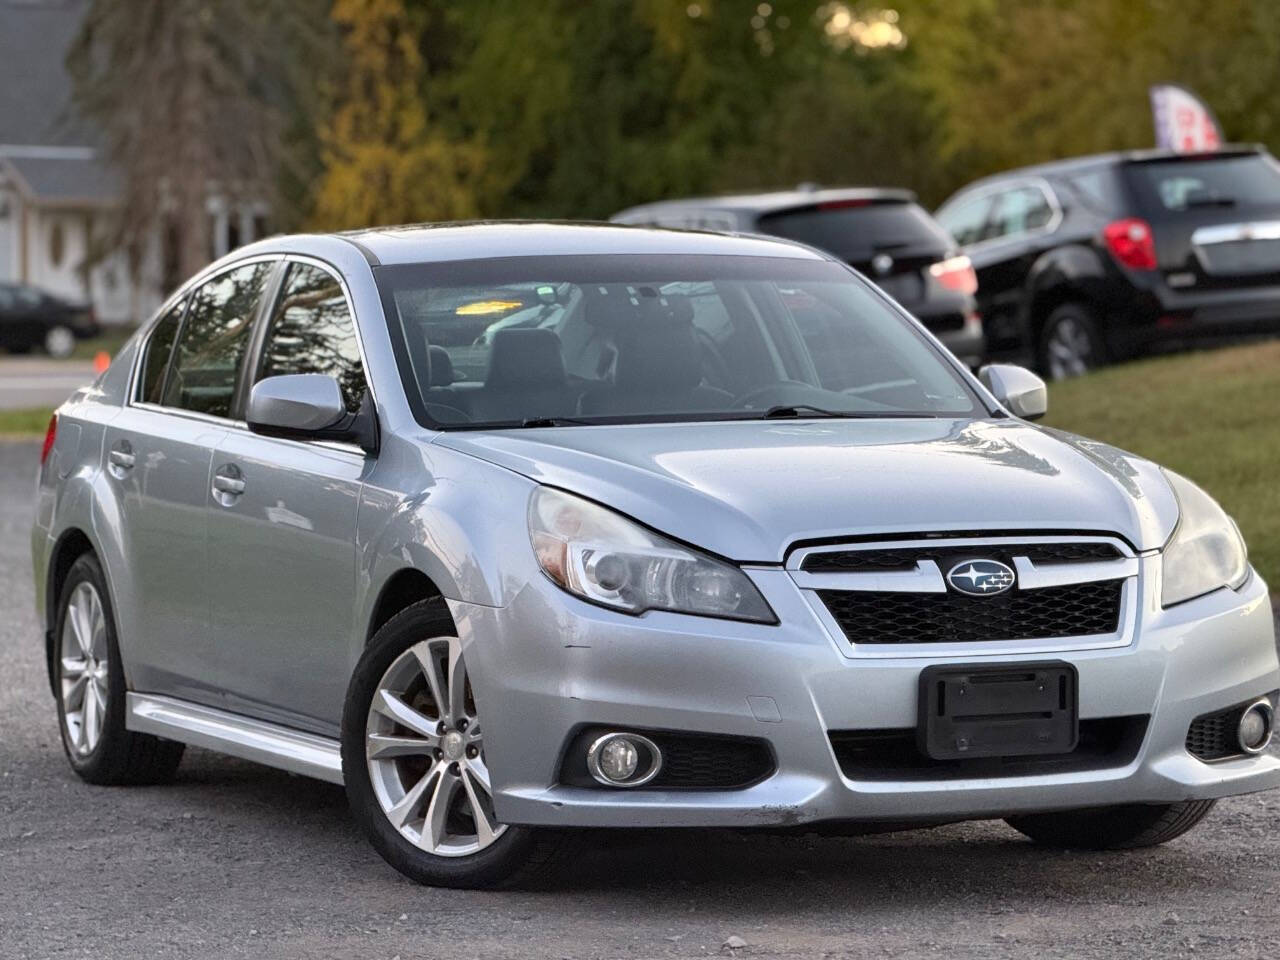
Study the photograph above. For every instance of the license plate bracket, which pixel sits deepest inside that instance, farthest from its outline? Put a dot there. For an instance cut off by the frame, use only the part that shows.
(1009, 710)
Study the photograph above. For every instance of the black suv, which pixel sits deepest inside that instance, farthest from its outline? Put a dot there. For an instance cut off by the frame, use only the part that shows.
(884, 234)
(1098, 258)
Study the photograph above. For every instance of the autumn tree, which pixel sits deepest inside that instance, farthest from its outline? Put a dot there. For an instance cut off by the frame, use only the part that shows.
(386, 160)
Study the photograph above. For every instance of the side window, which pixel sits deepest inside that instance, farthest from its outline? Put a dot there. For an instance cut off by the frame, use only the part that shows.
(206, 364)
(965, 220)
(155, 356)
(312, 332)
(1020, 211)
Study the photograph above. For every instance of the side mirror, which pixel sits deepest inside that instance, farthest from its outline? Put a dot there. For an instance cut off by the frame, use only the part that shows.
(308, 406)
(1017, 388)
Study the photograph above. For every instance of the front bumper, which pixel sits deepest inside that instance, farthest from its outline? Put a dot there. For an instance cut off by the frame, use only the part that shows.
(547, 664)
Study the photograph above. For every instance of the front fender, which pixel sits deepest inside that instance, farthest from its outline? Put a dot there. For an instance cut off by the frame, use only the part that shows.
(465, 528)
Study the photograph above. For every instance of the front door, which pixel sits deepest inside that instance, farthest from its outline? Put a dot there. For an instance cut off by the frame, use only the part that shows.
(282, 555)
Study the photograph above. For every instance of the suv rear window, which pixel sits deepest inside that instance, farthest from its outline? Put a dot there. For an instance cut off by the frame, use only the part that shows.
(857, 233)
(1231, 181)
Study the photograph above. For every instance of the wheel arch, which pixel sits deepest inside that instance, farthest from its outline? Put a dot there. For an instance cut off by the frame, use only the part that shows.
(71, 545)
(1073, 273)
(402, 589)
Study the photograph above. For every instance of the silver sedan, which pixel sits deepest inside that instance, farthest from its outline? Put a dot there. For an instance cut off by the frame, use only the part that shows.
(515, 528)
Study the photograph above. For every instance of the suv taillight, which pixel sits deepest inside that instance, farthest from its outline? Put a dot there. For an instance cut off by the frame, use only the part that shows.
(1131, 242)
(50, 435)
(956, 273)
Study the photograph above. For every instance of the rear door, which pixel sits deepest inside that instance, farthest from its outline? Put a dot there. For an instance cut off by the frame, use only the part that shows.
(282, 556)
(1215, 219)
(158, 456)
(1004, 230)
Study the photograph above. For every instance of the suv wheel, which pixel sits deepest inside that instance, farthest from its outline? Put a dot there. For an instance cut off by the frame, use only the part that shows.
(91, 689)
(1113, 828)
(1071, 344)
(413, 761)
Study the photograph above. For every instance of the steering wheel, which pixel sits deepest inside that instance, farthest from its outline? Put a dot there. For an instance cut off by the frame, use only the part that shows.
(747, 400)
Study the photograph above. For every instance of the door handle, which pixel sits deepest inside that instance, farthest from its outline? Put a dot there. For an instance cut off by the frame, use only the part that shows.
(228, 484)
(120, 459)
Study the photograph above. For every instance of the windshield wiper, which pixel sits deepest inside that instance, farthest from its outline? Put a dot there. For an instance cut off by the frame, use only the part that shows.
(553, 422)
(803, 410)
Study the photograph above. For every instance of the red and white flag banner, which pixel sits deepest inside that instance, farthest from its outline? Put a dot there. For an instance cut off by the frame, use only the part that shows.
(1183, 122)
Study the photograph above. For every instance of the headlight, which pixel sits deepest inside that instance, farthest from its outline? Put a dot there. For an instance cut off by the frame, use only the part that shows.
(1206, 552)
(610, 560)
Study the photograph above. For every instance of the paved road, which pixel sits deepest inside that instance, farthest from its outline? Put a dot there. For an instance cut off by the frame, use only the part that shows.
(40, 382)
(235, 860)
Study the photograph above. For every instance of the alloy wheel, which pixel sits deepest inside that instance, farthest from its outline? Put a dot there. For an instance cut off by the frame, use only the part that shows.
(84, 673)
(1069, 349)
(425, 752)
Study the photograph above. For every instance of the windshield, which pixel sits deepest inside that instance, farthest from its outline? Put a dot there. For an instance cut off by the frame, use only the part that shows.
(540, 341)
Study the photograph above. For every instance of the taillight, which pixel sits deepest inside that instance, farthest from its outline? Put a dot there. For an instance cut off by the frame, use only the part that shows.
(1131, 242)
(956, 273)
(50, 435)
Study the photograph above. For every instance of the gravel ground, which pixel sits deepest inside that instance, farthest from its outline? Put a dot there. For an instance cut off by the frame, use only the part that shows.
(237, 860)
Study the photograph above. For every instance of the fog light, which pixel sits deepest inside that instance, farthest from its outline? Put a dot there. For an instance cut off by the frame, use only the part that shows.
(1254, 732)
(623, 760)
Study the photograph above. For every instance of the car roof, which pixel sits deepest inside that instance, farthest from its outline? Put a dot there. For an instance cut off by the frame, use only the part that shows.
(773, 201)
(435, 242)
(1070, 165)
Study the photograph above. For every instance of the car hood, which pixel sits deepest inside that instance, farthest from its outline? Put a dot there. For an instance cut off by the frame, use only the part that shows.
(747, 490)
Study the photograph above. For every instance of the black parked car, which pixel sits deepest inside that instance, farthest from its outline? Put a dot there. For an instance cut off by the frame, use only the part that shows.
(1097, 258)
(883, 233)
(31, 318)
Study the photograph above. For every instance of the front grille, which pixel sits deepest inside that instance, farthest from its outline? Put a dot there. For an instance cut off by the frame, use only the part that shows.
(1104, 743)
(905, 558)
(1073, 610)
(690, 761)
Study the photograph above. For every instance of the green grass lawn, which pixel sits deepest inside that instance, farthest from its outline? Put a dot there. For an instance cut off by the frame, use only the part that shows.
(24, 423)
(111, 340)
(1213, 417)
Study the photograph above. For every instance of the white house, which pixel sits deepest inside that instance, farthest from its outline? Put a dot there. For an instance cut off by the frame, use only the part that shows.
(57, 196)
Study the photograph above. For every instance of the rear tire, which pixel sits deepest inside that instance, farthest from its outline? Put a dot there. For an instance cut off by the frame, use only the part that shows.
(404, 755)
(1071, 343)
(1128, 827)
(91, 691)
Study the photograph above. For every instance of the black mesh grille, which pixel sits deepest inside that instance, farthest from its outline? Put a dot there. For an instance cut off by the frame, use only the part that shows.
(1074, 610)
(1213, 736)
(1104, 743)
(710, 762)
(905, 558)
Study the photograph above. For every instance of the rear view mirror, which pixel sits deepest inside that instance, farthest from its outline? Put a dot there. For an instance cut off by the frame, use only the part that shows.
(308, 406)
(1020, 391)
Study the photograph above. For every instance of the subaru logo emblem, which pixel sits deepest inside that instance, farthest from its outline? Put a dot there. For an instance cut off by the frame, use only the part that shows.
(881, 263)
(981, 578)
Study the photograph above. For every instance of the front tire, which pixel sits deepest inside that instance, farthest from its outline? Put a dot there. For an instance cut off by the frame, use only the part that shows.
(91, 690)
(1071, 342)
(1128, 827)
(414, 764)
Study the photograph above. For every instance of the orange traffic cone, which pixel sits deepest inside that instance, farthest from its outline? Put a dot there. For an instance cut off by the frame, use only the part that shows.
(101, 360)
